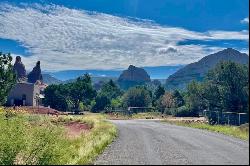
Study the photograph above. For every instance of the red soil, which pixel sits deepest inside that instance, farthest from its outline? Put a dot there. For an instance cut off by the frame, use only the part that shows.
(75, 129)
(39, 110)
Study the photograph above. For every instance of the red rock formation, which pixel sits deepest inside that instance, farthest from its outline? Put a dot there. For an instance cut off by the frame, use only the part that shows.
(19, 69)
(35, 74)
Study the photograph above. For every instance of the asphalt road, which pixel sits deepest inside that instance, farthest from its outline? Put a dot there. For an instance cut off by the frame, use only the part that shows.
(151, 142)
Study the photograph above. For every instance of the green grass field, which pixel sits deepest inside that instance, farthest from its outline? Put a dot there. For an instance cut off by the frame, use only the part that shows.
(41, 139)
(241, 132)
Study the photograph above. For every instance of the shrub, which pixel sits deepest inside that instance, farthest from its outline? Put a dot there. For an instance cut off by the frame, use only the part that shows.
(182, 111)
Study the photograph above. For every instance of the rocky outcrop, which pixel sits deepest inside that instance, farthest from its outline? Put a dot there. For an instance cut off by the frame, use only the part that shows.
(196, 71)
(19, 69)
(35, 74)
(133, 76)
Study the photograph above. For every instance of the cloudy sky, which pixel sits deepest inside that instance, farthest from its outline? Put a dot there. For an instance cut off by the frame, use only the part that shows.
(112, 34)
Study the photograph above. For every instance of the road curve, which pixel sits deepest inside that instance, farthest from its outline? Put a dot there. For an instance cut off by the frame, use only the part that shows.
(150, 142)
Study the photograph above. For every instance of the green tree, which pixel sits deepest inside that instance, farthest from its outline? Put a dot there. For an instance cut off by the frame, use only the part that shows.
(194, 97)
(111, 90)
(137, 96)
(7, 77)
(116, 103)
(108, 93)
(227, 87)
(160, 91)
(179, 101)
(81, 91)
(56, 97)
(101, 103)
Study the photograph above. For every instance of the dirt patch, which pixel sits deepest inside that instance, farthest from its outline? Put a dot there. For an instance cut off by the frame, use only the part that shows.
(37, 110)
(75, 129)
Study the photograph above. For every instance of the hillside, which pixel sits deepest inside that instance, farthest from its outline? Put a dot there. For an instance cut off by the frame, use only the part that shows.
(197, 70)
(48, 79)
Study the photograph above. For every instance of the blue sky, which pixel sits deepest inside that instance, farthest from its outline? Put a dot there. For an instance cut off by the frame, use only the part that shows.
(112, 34)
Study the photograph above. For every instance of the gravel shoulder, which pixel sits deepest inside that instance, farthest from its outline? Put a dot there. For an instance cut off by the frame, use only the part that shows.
(151, 142)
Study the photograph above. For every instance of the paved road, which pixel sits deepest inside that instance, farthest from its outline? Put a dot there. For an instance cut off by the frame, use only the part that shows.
(151, 142)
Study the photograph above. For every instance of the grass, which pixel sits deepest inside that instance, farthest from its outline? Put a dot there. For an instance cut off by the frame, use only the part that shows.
(147, 115)
(241, 132)
(93, 143)
(41, 140)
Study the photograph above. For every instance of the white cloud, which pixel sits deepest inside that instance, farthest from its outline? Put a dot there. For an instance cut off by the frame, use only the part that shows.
(63, 38)
(245, 21)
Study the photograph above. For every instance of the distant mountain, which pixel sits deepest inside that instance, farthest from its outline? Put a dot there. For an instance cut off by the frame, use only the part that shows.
(133, 76)
(197, 70)
(73, 74)
(48, 79)
(155, 72)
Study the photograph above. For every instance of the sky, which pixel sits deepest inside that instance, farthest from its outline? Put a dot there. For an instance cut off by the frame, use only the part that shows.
(112, 34)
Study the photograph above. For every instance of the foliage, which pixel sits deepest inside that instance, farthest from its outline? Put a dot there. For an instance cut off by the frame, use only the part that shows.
(116, 103)
(182, 111)
(71, 96)
(81, 90)
(226, 90)
(194, 98)
(56, 97)
(101, 102)
(227, 87)
(82, 107)
(168, 100)
(107, 97)
(165, 103)
(159, 92)
(178, 98)
(137, 96)
(7, 77)
(111, 90)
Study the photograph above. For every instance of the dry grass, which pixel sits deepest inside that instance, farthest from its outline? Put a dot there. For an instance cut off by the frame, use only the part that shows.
(241, 132)
(41, 139)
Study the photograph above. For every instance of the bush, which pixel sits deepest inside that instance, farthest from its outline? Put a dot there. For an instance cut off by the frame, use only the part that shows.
(101, 102)
(182, 111)
(169, 111)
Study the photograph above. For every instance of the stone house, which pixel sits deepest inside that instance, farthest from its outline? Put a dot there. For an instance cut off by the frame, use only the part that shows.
(25, 94)
(28, 89)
